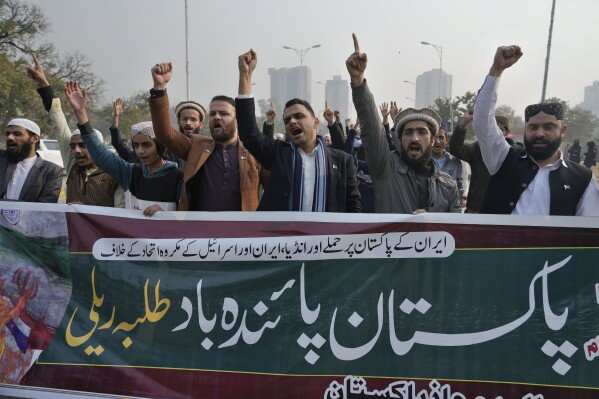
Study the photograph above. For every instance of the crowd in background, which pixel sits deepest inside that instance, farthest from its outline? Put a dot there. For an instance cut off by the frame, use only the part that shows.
(389, 160)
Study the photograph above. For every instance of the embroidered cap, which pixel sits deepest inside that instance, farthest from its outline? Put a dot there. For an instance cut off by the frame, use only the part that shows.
(411, 114)
(98, 134)
(26, 124)
(555, 109)
(144, 128)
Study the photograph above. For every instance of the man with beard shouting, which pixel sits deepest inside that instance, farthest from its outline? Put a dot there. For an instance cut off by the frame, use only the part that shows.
(536, 179)
(24, 175)
(219, 173)
(406, 180)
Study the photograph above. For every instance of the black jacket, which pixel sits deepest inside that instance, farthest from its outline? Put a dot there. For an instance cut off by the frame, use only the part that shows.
(277, 157)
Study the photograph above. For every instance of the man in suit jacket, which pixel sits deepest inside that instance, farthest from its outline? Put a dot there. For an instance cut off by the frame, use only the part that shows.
(219, 173)
(24, 176)
(305, 175)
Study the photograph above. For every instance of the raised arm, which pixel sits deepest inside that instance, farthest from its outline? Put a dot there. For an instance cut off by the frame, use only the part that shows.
(52, 104)
(268, 128)
(373, 133)
(466, 152)
(116, 138)
(103, 158)
(259, 145)
(178, 143)
(493, 146)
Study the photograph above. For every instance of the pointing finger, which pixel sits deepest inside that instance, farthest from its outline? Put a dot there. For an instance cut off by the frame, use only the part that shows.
(356, 44)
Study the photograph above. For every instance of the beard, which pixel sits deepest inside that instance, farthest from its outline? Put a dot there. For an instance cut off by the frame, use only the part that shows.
(540, 154)
(20, 153)
(420, 165)
(225, 134)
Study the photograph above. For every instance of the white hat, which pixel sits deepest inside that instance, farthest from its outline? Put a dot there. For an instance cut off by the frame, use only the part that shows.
(100, 136)
(145, 128)
(27, 124)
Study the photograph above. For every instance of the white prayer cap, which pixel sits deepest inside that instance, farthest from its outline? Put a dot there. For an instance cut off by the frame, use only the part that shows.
(27, 124)
(100, 136)
(145, 128)
(279, 136)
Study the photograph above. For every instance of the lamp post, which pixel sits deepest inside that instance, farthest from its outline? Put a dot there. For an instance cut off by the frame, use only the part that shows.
(186, 52)
(439, 50)
(548, 53)
(301, 53)
(411, 99)
(413, 84)
(325, 92)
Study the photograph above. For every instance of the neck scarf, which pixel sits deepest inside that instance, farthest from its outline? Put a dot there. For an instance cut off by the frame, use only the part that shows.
(319, 202)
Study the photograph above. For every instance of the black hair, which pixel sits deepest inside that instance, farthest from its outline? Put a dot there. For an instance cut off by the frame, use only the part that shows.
(160, 148)
(306, 104)
(31, 134)
(226, 99)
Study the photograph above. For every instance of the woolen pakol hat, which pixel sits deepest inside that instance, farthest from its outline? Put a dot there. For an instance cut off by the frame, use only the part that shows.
(411, 114)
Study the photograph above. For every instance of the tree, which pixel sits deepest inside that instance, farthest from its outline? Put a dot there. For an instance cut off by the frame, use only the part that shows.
(456, 108)
(136, 109)
(22, 27)
(582, 124)
(516, 122)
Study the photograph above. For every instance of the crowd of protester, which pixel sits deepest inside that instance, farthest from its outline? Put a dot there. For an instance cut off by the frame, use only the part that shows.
(390, 160)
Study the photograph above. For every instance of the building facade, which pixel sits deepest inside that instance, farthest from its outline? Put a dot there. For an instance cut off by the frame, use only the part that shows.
(336, 93)
(288, 83)
(428, 88)
(591, 98)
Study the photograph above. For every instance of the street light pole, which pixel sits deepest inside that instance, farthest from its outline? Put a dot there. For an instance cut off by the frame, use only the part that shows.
(186, 51)
(413, 84)
(325, 91)
(301, 53)
(548, 52)
(439, 50)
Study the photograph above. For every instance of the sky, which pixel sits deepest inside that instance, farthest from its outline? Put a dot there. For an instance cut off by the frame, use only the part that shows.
(125, 38)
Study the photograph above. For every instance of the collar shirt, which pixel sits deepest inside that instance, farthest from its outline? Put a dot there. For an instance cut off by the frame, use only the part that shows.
(216, 186)
(309, 178)
(536, 199)
(18, 178)
(441, 160)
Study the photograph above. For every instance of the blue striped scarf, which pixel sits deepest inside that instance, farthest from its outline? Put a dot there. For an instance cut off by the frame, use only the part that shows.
(319, 201)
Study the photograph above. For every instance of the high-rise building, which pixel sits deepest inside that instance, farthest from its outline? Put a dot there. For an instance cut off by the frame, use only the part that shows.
(591, 98)
(288, 83)
(427, 87)
(336, 93)
(278, 86)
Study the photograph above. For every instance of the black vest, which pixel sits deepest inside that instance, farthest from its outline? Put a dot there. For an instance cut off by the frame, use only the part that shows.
(566, 185)
(161, 189)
